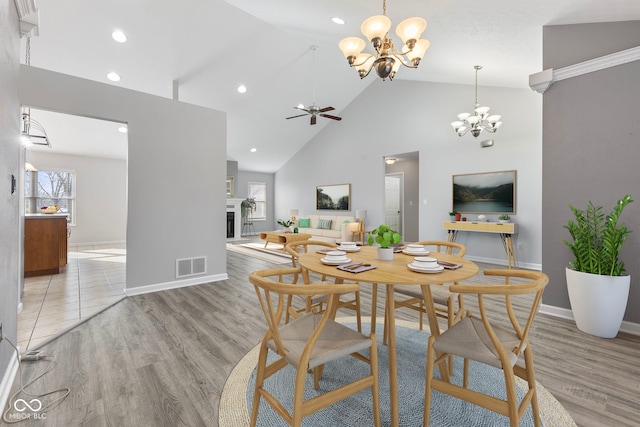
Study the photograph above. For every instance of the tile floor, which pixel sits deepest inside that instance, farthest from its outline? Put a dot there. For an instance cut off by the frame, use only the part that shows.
(93, 280)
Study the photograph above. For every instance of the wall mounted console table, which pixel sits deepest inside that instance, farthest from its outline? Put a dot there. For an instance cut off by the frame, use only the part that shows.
(504, 230)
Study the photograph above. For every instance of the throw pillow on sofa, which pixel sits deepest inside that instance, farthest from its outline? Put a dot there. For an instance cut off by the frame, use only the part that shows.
(324, 224)
(304, 222)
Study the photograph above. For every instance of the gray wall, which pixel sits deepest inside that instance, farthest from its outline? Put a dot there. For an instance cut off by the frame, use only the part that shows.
(176, 196)
(101, 195)
(591, 145)
(10, 219)
(415, 117)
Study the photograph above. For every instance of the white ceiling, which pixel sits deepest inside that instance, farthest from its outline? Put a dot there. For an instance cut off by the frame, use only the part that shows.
(212, 46)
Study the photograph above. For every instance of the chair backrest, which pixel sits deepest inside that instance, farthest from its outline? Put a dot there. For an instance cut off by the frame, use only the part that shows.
(302, 246)
(526, 282)
(271, 295)
(443, 246)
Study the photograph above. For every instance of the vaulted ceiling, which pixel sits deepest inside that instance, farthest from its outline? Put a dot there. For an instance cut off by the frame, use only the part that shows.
(207, 48)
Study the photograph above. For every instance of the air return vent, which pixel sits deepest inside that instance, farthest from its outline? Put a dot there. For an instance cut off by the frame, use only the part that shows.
(191, 266)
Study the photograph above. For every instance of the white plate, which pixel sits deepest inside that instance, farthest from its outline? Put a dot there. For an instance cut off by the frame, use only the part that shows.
(356, 249)
(415, 253)
(425, 270)
(327, 262)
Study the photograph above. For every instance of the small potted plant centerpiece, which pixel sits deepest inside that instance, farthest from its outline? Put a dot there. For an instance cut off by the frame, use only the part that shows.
(385, 237)
(596, 280)
(286, 224)
(454, 215)
(504, 218)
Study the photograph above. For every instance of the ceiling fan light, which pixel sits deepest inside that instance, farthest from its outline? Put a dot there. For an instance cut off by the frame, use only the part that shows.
(351, 48)
(376, 27)
(411, 29)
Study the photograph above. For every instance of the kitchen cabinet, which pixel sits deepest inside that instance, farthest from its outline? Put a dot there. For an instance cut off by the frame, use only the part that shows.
(45, 244)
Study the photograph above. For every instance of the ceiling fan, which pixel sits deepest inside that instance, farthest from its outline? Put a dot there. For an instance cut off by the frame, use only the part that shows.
(315, 111)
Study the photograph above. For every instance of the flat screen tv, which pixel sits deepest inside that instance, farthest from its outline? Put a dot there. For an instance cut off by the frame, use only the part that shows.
(485, 193)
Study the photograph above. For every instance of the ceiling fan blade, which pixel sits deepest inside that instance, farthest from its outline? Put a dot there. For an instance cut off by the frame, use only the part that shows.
(299, 115)
(325, 109)
(328, 116)
(302, 109)
(313, 119)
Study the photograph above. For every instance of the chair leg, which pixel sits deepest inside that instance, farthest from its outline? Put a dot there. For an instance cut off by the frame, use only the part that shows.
(512, 398)
(429, 376)
(358, 316)
(531, 380)
(298, 396)
(262, 365)
(375, 389)
(465, 374)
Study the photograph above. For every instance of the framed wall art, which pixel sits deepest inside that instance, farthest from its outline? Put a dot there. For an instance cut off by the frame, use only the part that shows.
(485, 193)
(335, 197)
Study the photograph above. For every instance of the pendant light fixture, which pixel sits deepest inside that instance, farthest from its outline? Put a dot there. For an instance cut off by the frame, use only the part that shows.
(386, 59)
(478, 121)
(32, 132)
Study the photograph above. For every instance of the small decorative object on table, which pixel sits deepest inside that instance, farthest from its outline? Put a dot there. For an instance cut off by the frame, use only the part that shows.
(385, 237)
(455, 215)
(504, 218)
(49, 209)
(286, 224)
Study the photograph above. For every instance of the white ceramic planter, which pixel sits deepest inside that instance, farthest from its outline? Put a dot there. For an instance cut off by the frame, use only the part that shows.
(384, 254)
(598, 302)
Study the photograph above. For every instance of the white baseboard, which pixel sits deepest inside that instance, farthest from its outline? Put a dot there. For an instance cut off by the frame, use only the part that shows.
(139, 290)
(7, 380)
(565, 313)
(502, 261)
(105, 243)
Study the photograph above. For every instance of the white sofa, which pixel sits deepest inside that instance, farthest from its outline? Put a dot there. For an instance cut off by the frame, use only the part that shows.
(339, 230)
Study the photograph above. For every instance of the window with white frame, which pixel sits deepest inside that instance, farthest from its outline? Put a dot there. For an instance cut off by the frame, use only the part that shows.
(258, 192)
(47, 188)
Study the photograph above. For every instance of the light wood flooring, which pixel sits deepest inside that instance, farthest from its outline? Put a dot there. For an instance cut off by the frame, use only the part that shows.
(93, 279)
(162, 359)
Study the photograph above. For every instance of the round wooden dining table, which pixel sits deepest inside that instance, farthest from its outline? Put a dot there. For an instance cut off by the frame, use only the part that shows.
(390, 273)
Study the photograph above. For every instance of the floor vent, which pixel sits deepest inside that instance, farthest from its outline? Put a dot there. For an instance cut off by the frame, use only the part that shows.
(190, 266)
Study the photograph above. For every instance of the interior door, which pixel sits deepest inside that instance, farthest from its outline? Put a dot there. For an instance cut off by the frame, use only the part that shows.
(393, 201)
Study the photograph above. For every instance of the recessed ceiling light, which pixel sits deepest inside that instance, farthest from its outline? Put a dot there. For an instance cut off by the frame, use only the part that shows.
(119, 36)
(300, 106)
(253, 150)
(114, 77)
(337, 20)
(122, 129)
(242, 88)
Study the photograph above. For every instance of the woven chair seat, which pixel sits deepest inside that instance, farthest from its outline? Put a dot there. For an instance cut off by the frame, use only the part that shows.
(469, 339)
(336, 340)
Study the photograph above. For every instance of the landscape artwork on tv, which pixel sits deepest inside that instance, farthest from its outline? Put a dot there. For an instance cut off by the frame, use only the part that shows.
(333, 197)
(485, 193)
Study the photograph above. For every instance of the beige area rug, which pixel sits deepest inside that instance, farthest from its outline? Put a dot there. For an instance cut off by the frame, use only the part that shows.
(233, 410)
(272, 253)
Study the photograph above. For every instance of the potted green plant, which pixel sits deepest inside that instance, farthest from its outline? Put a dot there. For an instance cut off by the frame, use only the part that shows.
(504, 218)
(247, 206)
(286, 224)
(596, 280)
(385, 237)
(453, 214)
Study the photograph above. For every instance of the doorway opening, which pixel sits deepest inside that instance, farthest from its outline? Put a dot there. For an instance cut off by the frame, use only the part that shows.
(94, 153)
